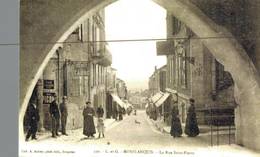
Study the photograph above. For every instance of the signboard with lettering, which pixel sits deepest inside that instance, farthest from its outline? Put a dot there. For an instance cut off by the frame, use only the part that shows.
(48, 84)
(48, 97)
(165, 48)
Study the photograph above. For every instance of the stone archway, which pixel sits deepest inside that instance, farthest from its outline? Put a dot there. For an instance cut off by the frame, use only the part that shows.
(44, 27)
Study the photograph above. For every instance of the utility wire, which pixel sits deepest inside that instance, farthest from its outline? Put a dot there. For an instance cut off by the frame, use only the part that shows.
(123, 40)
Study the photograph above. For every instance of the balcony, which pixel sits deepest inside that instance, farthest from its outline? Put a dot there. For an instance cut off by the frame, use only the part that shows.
(164, 48)
(102, 55)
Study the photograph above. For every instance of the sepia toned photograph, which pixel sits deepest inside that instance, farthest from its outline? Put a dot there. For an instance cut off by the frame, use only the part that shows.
(139, 78)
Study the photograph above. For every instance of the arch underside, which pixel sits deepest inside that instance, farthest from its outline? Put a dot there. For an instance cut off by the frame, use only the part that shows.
(44, 26)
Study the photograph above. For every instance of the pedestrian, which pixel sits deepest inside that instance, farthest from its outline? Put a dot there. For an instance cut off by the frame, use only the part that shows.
(176, 129)
(64, 115)
(100, 111)
(100, 127)
(154, 113)
(116, 113)
(88, 114)
(120, 114)
(123, 111)
(55, 116)
(33, 117)
(191, 126)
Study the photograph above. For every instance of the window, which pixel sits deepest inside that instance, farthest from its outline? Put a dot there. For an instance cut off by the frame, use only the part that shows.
(76, 31)
(96, 37)
(77, 78)
(75, 86)
(182, 65)
(176, 70)
(184, 70)
(96, 72)
(173, 66)
(85, 85)
(102, 75)
(219, 75)
(79, 32)
(80, 86)
(176, 25)
(87, 27)
(170, 69)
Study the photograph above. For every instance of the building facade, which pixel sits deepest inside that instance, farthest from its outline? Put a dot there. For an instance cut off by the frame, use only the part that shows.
(110, 88)
(137, 99)
(121, 89)
(158, 95)
(192, 72)
(78, 70)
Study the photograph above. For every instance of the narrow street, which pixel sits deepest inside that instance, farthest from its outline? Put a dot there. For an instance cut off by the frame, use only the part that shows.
(137, 130)
(134, 133)
(131, 132)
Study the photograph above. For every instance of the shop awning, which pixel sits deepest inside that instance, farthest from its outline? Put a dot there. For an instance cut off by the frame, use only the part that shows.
(157, 96)
(162, 99)
(118, 100)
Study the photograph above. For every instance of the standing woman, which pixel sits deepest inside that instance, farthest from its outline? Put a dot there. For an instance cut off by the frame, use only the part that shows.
(88, 114)
(191, 126)
(176, 129)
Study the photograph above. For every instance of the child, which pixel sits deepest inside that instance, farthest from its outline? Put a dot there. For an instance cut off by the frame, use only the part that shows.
(100, 127)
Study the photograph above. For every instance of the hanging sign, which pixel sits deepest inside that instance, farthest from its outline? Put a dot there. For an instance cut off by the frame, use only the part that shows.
(48, 84)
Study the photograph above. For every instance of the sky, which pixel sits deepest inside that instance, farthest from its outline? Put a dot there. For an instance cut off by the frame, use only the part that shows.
(135, 19)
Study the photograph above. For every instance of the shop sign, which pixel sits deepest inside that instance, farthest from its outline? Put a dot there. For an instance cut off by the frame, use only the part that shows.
(48, 97)
(48, 84)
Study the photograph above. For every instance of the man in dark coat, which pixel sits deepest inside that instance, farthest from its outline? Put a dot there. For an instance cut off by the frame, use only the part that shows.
(55, 116)
(191, 126)
(176, 129)
(120, 114)
(33, 117)
(88, 114)
(64, 114)
(100, 111)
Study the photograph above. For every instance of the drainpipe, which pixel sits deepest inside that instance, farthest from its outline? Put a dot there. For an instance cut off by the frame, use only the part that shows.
(58, 81)
(40, 102)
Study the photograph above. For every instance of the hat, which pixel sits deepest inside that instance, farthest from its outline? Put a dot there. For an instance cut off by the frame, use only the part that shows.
(64, 97)
(192, 100)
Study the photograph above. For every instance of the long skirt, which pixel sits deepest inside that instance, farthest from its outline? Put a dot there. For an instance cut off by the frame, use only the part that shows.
(120, 116)
(191, 127)
(89, 127)
(176, 129)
